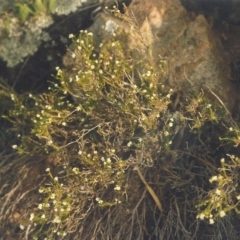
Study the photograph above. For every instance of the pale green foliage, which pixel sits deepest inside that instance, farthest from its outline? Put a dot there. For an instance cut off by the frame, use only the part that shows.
(35, 8)
(224, 197)
(24, 11)
(116, 109)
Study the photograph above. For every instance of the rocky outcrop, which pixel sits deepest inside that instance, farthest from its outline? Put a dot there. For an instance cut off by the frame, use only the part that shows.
(20, 39)
(196, 59)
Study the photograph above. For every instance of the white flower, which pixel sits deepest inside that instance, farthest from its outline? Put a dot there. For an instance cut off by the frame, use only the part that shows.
(109, 160)
(64, 124)
(170, 142)
(230, 129)
(209, 105)
(117, 188)
(14, 146)
(166, 133)
(56, 219)
(211, 221)
(56, 179)
(79, 152)
(218, 192)
(40, 190)
(222, 160)
(129, 144)
(222, 213)
(170, 124)
(31, 216)
(71, 35)
(52, 196)
(238, 197)
(47, 170)
(21, 227)
(40, 206)
(213, 178)
(73, 55)
(75, 170)
(148, 73)
(202, 216)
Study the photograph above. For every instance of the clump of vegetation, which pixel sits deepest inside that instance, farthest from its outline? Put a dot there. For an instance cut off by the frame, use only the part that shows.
(109, 116)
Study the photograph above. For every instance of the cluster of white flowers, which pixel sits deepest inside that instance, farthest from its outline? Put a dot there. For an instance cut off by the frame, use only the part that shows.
(215, 178)
(100, 201)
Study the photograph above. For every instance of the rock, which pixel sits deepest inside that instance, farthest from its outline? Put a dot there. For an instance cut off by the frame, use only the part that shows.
(195, 56)
(20, 39)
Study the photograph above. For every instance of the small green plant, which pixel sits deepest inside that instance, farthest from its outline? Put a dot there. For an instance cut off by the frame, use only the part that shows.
(26, 9)
(224, 197)
(114, 110)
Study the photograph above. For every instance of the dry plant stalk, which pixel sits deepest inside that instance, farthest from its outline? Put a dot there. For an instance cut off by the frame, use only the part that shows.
(150, 190)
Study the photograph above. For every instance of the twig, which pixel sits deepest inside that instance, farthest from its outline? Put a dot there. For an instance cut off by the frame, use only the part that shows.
(150, 190)
(215, 95)
(81, 136)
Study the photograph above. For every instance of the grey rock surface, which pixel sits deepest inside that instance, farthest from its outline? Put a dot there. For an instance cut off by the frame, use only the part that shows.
(21, 39)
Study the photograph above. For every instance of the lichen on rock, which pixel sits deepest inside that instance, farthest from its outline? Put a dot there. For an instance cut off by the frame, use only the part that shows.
(23, 39)
(64, 7)
(20, 39)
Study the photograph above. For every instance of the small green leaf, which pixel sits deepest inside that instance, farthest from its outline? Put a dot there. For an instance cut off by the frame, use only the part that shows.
(24, 11)
(51, 4)
(40, 6)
